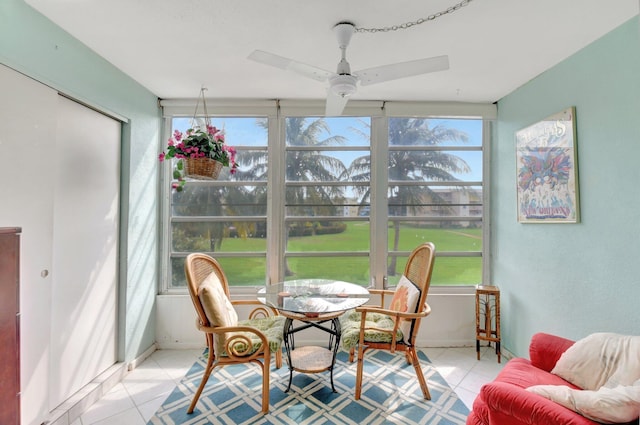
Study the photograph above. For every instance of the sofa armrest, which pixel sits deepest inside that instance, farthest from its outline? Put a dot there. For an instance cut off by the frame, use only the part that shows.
(510, 405)
(546, 349)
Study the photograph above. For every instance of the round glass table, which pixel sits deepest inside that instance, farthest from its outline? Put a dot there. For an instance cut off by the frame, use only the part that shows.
(316, 303)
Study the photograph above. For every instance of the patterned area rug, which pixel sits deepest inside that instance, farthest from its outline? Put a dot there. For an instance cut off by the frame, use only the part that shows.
(390, 395)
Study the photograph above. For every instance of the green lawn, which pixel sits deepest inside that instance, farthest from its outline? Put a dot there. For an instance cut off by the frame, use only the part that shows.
(447, 271)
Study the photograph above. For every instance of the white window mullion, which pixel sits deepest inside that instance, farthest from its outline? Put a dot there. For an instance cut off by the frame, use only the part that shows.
(379, 210)
(165, 205)
(275, 199)
(487, 128)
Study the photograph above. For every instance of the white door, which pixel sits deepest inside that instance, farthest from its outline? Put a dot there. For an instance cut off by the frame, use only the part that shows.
(85, 240)
(60, 184)
(27, 147)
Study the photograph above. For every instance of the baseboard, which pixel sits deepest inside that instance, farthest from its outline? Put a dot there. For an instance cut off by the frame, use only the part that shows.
(142, 357)
(508, 355)
(446, 343)
(77, 404)
(180, 346)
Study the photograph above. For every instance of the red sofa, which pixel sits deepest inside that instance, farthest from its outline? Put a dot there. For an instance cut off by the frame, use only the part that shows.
(505, 400)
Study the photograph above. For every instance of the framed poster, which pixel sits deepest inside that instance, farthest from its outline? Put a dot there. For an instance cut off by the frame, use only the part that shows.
(548, 171)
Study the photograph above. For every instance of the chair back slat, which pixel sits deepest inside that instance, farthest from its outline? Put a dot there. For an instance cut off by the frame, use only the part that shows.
(420, 267)
(418, 270)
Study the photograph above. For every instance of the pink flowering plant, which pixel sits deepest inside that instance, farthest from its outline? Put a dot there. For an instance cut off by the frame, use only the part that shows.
(197, 143)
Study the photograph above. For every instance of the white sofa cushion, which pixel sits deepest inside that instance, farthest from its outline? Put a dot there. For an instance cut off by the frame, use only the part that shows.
(601, 359)
(607, 405)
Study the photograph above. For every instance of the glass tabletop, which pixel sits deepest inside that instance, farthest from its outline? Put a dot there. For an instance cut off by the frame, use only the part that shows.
(313, 296)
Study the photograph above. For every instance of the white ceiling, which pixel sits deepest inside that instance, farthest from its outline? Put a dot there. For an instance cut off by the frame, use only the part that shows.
(174, 47)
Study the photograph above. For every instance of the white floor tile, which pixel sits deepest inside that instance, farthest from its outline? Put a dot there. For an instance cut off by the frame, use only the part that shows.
(433, 353)
(128, 417)
(472, 382)
(142, 392)
(176, 363)
(456, 358)
(115, 401)
(466, 396)
(452, 374)
(488, 367)
(148, 409)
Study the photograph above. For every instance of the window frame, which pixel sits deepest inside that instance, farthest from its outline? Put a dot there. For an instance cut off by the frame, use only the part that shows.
(276, 113)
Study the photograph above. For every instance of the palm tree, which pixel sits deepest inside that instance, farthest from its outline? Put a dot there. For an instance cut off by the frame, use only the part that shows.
(310, 165)
(412, 165)
(251, 199)
(198, 200)
(306, 165)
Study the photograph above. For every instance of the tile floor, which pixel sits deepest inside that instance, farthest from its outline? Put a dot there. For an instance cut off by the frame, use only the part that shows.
(136, 398)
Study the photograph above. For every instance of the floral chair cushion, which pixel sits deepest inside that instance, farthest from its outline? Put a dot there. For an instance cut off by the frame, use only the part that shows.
(350, 323)
(272, 327)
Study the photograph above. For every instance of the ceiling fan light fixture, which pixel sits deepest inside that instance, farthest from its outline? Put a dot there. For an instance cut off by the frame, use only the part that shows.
(343, 85)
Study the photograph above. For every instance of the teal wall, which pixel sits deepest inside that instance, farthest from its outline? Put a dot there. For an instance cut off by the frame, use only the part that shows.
(34, 46)
(574, 279)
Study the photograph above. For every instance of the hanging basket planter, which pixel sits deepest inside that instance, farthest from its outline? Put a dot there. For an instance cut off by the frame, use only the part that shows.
(202, 168)
(201, 151)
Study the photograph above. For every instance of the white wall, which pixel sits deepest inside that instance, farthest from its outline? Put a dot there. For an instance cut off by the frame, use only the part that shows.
(451, 323)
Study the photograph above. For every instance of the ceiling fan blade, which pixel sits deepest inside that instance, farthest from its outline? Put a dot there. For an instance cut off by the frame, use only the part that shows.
(395, 71)
(303, 69)
(335, 104)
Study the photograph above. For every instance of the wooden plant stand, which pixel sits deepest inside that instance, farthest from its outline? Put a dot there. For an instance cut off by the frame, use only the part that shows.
(488, 317)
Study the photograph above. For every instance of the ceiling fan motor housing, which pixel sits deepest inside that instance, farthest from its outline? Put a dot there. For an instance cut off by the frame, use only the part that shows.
(343, 85)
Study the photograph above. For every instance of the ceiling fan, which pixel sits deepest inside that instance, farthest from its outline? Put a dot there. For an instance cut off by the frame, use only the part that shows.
(343, 83)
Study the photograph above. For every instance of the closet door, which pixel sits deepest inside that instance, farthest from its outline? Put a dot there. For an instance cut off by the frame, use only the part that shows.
(27, 147)
(27, 142)
(85, 237)
(60, 184)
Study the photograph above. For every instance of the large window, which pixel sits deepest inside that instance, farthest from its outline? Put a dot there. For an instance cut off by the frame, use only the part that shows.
(327, 229)
(434, 193)
(335, 197)
(227, 217)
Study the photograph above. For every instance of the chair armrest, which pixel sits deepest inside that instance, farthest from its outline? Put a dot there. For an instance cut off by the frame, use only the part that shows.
(237, 344)
(546, 349)
(398, 316)
(261, 311)
(508, 404)
(219, 330)
(370, 309)
(382, 293)
(246, 302)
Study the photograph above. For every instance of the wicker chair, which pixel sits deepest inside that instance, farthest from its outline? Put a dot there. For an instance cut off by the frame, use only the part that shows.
(230, 341)
(394, 328)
